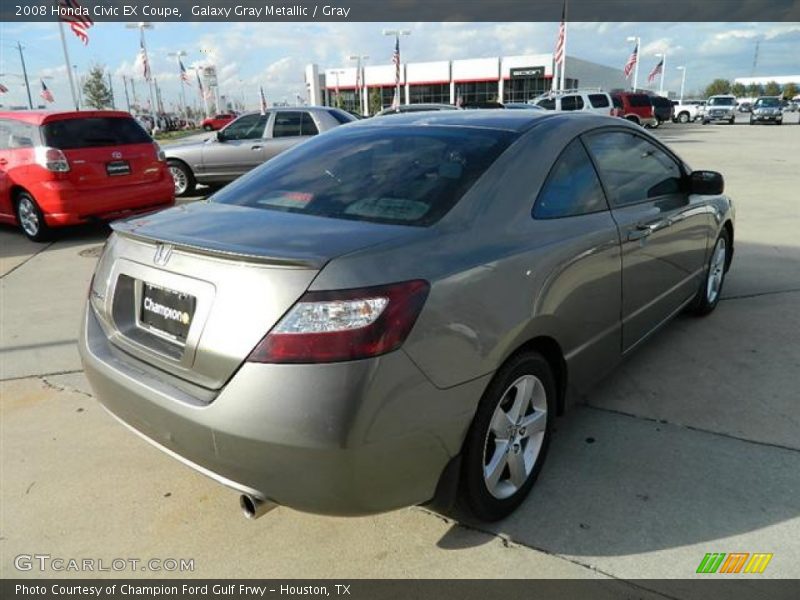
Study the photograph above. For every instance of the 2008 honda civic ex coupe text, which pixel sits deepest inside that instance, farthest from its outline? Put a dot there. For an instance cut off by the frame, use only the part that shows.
(394, 312)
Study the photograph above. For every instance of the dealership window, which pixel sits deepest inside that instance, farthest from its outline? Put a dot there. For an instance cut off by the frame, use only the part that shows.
(477, 92)
(436, 93)
(345, 99)
(522, 89)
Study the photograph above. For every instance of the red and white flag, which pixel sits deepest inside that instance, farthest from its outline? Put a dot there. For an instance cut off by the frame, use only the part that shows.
(142, 58)
(632, 60)
(558, 53)
(78, 23)
(396, 60)
(184, 74)
(656, 71)
(46, 94)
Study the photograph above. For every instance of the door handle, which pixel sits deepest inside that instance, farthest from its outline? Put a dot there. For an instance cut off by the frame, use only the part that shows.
(255, 147)
(3, 161)
(642, 230)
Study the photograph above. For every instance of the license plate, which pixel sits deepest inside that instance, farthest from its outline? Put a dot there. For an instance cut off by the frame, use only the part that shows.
(167, 311)
(118, 167)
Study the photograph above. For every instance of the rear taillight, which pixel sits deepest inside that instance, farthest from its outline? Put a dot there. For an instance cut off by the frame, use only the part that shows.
(334, 326)
(51, 159)
(159, 152)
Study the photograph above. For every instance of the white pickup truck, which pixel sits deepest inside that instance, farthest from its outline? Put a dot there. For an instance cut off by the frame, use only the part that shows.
(688, 112)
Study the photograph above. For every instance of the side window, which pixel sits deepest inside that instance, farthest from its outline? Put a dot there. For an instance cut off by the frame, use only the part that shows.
(547, 104)
(633, 169)
(572, 187)
(287, 124)
(248, 127)
(598, 100)
(617, 102)
(307, 126)
(5, 134)
(571, 103)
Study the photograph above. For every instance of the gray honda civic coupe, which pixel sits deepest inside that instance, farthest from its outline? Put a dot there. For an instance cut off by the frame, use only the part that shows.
(394, 312)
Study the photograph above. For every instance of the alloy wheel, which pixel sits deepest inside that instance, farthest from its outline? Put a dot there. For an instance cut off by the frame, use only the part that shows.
(179, 178)
(28, 216)
(515, 436)
(716, 271)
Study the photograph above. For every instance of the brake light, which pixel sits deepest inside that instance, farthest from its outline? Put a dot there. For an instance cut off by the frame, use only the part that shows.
(51, 159)
(160, 155)
(333, 326)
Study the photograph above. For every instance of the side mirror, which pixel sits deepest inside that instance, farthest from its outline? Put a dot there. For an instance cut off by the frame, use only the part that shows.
(706, 183)
(221, 135)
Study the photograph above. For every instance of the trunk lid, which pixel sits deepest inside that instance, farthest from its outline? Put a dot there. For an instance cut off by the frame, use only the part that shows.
(193, 289)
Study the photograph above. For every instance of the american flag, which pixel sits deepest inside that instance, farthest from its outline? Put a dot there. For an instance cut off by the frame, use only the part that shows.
(396, 60)
(632, 60)
(263, 100)
(77, 23)
(143, 59)
(3, 89)
(184, 74)
(46, 94)
(558, 53)
(656, 70)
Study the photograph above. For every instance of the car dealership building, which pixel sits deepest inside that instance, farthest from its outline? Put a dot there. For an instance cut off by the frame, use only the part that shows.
(467, 81)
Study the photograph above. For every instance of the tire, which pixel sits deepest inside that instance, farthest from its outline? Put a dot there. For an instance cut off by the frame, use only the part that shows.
(208, 128)
(683, 118)
(711, 289)
(731, 121)
(779, 122)
(705, 122)
(752, 122)
(498, 473)
(182, 177)
(30, 218)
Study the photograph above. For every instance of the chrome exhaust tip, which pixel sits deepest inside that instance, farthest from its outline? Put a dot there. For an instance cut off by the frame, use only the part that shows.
(253, 507)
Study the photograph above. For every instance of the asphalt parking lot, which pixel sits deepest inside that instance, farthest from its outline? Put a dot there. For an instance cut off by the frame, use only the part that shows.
(692, 446)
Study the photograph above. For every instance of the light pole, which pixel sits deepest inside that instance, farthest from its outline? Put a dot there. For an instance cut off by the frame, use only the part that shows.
(78, 86)
(141, 26)
(360, 59)
(638, 48)
(396, 57)
(663, 56)
(683, 80)
(178, 55)
(337, 73)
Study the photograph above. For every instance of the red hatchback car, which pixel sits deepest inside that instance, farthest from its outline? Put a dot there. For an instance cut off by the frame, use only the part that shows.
(217, 121)
(66, 168)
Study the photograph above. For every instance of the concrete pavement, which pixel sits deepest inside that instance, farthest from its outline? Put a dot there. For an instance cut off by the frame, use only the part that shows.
(692, 446)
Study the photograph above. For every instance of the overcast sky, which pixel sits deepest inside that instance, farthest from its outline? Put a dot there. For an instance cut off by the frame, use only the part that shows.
(274, 55)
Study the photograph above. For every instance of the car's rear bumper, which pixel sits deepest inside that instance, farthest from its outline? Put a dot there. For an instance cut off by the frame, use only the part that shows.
(63, 203)
(344, 438)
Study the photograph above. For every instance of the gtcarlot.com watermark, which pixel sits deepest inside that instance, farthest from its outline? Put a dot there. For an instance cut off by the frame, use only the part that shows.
(46, 563)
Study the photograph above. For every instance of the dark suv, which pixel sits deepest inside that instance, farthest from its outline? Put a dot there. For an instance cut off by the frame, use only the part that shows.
(635, 107)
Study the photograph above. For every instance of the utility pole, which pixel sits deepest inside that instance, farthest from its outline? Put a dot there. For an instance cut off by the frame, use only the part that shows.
(78, 87)
(755, 59)
(25, 75)
(125, 85)
(181, 72)
(67, 63)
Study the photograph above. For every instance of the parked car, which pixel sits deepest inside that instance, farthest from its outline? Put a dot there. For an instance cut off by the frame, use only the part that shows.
(66, 168)
(720, 108)
(247, 142)
(745, 107)
(594, 101)
(329, 333)
(767, 109)
(217, 121)
(663, 109)
(635, 107)
(686, 112)
(407, 108)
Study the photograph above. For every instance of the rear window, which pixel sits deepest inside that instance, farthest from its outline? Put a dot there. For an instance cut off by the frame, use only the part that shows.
(571, 103)
(547, 103)
(406, 176)
(598, 100)
(722, 102)
(639, 100)
(341, 116)
(70, 134)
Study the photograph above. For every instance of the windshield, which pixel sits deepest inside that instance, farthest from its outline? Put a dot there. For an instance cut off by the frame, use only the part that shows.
(407, 176)
(767, 102)
(71, 134)
(721, 102)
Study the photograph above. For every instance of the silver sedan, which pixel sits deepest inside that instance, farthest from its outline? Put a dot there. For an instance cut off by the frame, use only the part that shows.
(245, 143)
(395, 312)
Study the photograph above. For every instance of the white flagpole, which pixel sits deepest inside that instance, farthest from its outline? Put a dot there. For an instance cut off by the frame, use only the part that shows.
(564, 52)
(69, 66)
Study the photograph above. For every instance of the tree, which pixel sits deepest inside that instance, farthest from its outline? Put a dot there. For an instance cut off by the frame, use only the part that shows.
(790, 90)
(718, 86)
(375, 103)
(95, 88)
(754, 90)
(738, 90)
(772, 89)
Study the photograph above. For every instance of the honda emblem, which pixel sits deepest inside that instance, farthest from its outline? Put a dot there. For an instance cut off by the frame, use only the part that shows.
(116, 155)
(163, 252)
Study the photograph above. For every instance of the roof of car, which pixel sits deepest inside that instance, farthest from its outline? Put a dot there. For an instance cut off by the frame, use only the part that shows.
(38, 117)
(509, 120)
